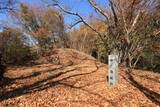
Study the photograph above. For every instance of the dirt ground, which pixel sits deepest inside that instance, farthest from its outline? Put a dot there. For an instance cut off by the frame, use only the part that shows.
(74, 79)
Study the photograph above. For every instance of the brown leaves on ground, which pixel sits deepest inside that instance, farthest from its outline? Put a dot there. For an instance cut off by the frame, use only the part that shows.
(77, 80)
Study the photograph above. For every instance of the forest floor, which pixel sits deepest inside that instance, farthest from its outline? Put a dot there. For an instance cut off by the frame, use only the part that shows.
(74, 79)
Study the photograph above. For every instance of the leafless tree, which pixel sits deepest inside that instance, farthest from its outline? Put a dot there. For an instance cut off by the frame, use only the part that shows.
(125, 23)
(7, 5)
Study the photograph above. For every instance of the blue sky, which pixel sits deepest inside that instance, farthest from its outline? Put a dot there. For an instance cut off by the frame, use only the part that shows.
(76, 5)
(80, 6)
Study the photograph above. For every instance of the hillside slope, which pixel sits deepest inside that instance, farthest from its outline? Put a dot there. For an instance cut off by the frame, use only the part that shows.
(74, 79)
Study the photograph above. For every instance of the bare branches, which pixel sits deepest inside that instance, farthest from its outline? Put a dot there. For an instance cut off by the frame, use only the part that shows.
(81, 19)
(114, 13)
(157, 33)
(71, 26)
(7, 5)
(104, 13)
(124, 26)
(134, 23)
(5, 8)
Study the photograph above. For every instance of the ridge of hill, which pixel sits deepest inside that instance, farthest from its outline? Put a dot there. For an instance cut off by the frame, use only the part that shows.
(69, 78)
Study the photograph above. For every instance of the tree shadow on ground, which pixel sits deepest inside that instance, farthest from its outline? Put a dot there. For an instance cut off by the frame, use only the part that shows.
(150, 94)
(49, 82)
(147, 77)
(7, 81)
(25, 89)
(91, 93)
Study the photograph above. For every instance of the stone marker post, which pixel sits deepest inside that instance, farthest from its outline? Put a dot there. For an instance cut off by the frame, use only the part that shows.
(113, 70)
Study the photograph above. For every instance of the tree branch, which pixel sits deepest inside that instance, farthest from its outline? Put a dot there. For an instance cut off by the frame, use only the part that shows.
(72, 25)
(134, 23)
(80, 17)
(158, 32)
(105, 14)
(114, 13)
(6, 8)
